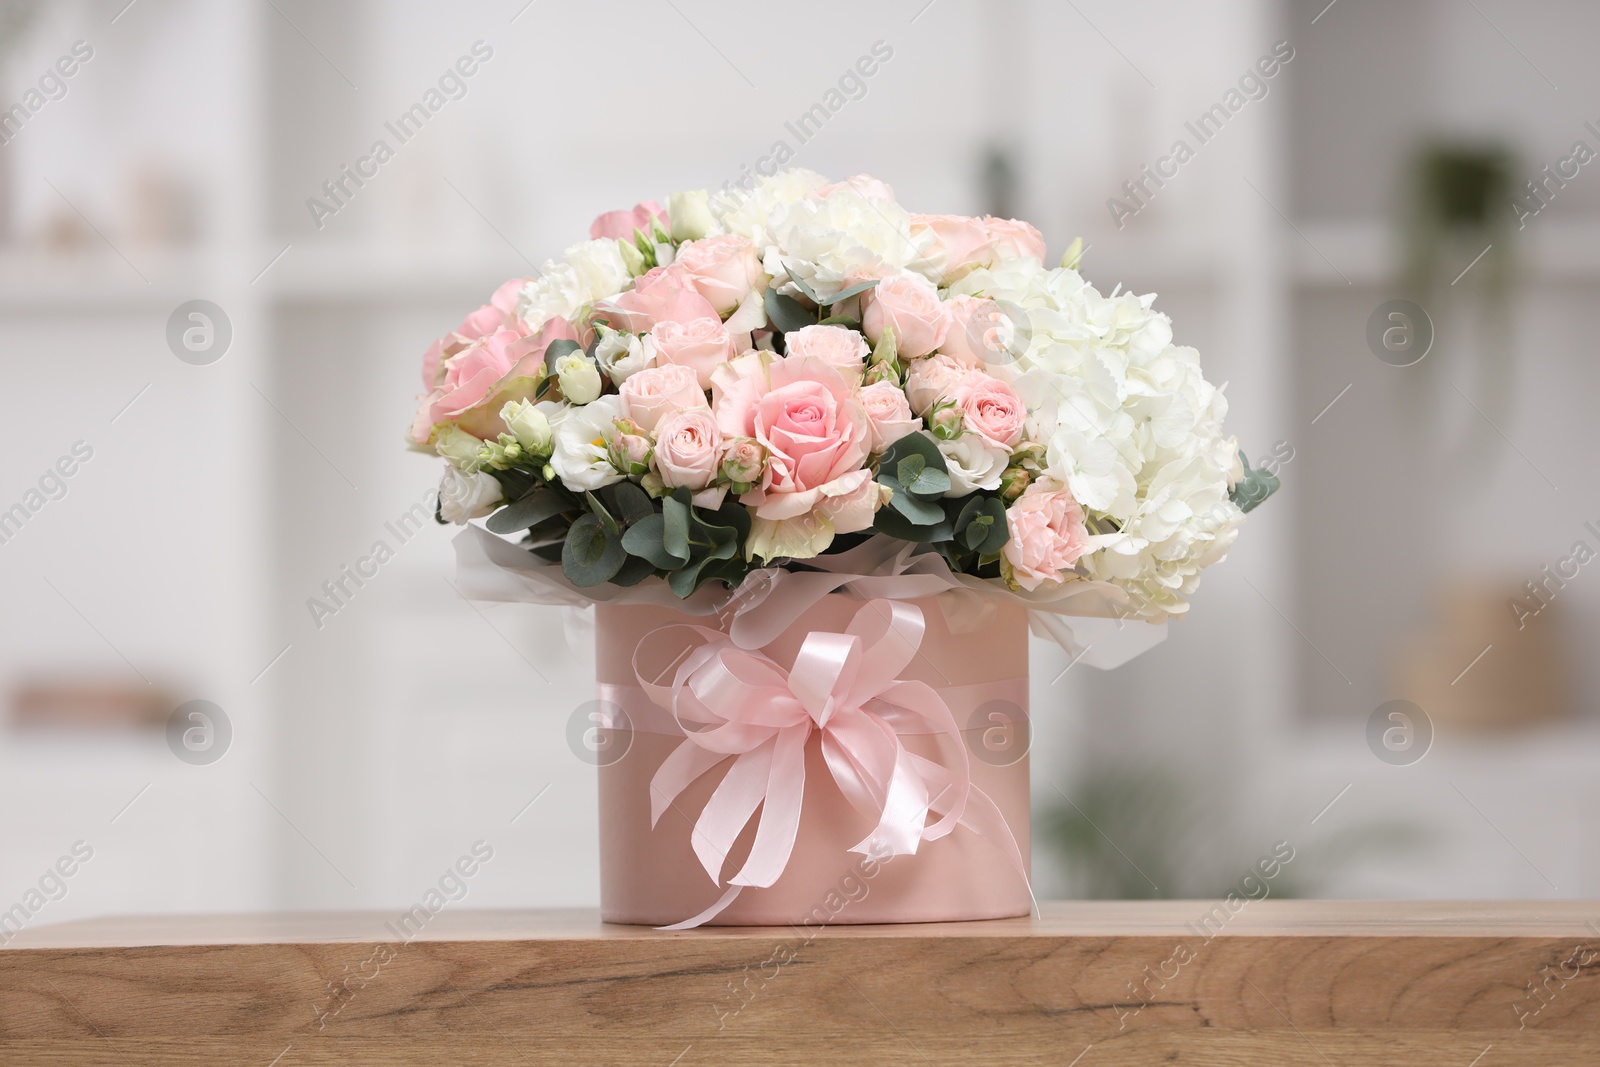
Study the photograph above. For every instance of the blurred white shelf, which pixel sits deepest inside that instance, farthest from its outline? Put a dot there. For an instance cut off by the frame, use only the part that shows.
(1323, 254)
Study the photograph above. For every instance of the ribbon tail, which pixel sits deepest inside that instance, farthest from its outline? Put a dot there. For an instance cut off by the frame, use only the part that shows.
(779, 825)
(905, 811)
(682, 767)
(710, 913)
(984, 818)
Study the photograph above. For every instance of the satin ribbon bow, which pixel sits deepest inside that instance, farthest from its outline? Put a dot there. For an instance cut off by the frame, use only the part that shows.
(739, 704)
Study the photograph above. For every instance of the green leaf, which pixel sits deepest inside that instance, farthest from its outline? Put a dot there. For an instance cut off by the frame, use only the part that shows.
(980, 525)
(612, 526)
(683, 582)
(915, 509)
(891, 522)
(591, 555)
(645, 540)
(844, 294)
(527, 512)
(919, 479)
(841, 320)
(931, 477)
(787, 313)
(800, 284)
(558, 348)
(1254, 487)
(629, 501)
(677, 513)
(634, 570)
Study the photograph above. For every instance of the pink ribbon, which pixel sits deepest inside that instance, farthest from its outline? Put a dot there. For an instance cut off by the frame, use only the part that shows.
(734, 703)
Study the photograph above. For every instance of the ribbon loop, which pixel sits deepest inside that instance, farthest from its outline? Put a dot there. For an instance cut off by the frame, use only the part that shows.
(735, 703)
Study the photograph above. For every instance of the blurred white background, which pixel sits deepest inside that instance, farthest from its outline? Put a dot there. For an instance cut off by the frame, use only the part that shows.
(369, 752)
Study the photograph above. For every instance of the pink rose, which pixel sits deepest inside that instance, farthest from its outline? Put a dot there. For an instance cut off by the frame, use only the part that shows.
(657, 296)
(621, 224)
(909, 305)
(1047, 535)
(839, 347)
(688, 449)
(817, 437)
(466, 376)
(990, 408)
(656, 392)
(931, 380)
(507, 296)
(721, 269)
(1014, 239)
(702, 345)
(955, 244)
(888, 412)
(981, 332)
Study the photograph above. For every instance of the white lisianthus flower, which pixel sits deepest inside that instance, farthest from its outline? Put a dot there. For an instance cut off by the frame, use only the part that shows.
(582, 436)
(458, 446)
(529, 424)
(622, 355)
(600, 268)
(973, 464)
(467, 495)
(578, 377)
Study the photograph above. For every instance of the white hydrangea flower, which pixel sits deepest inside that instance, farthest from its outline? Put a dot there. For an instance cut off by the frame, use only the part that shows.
(845, 235)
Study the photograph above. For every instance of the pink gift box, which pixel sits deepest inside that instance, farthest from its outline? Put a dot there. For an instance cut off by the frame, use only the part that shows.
(974, 656)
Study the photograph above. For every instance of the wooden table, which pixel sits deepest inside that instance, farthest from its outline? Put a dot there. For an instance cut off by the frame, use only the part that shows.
(1096, 984)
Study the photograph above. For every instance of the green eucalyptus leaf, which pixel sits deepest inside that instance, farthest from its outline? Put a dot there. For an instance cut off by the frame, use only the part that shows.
(677, 513)
(645, 539)
(914, 509)
(591, 555)
(634, 570)
(527, 512)
(629, 501)
(1254, 487)
(841, 320)
(893, 523)
(799, 283)
(786, 313)
(846, 294)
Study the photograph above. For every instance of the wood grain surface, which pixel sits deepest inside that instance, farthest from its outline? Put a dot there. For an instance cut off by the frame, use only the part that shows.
(1098, 984)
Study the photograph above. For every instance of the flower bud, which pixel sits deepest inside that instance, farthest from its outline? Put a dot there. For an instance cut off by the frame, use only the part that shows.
(501, 454)
(690, 213)
(629, 450)
(882, 372)
(458, 446)
(632, 258)
(1013, 482)
(743, 461)
(945, 421)
(528, 425)
(578, 378)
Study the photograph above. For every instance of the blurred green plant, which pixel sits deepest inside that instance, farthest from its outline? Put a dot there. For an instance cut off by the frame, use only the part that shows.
(1151, 835)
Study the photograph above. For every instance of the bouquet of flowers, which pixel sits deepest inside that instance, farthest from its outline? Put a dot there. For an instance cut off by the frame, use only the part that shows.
(770, 376)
